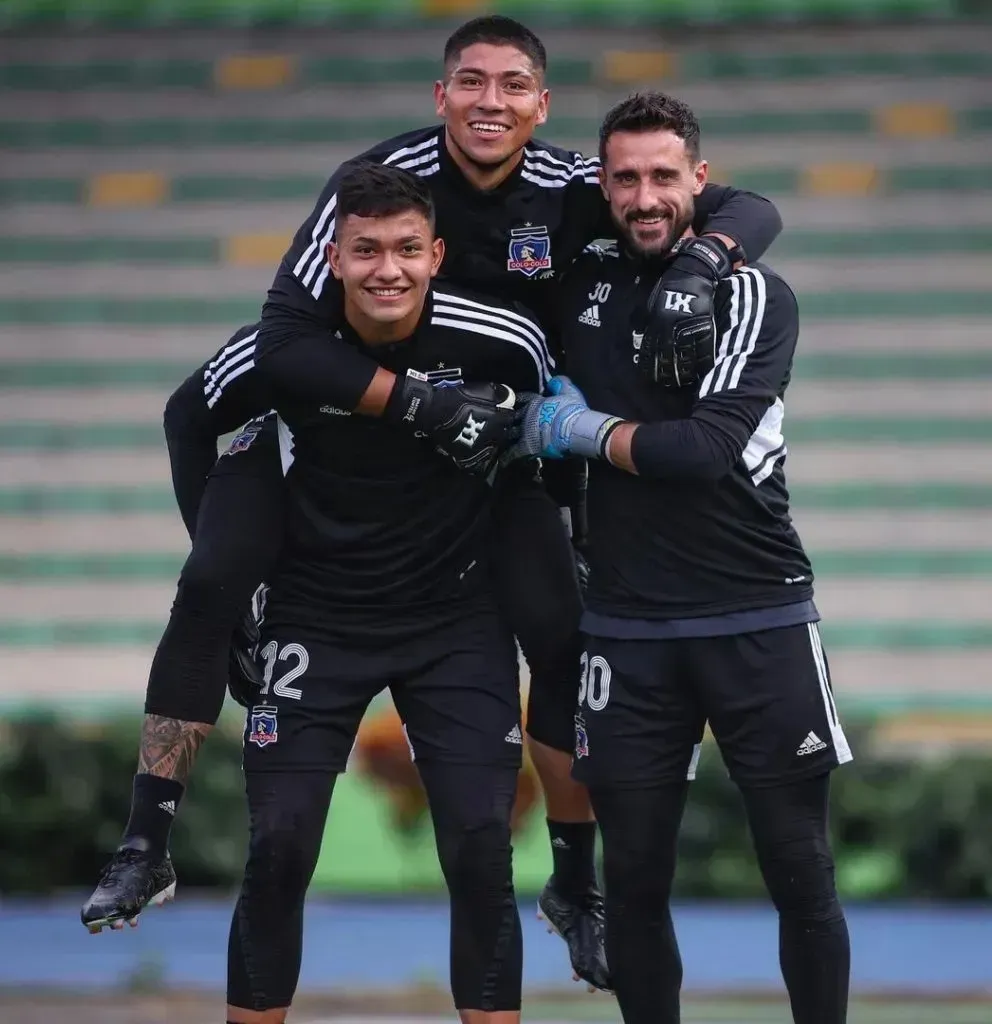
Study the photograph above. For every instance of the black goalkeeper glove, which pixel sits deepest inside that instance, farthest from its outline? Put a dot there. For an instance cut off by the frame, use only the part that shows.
(470, 424)
(678, 345)
(244, 679)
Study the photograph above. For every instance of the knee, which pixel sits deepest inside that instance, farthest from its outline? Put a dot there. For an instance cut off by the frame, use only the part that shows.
(202, 579)
(633, 880)
(211, 585)
(282, 855)
(799, 875)
(476, 858)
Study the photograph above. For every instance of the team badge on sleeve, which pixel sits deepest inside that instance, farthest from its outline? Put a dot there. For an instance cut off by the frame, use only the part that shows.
(263, 728)
(581, 737)
(530, 250)
(243, 440)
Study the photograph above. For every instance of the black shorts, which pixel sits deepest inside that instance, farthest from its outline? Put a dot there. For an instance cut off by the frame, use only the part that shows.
(643, 705)
(455, 687)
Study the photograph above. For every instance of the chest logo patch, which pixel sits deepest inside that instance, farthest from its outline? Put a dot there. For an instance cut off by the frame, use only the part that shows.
(530, 250)
(591, 316)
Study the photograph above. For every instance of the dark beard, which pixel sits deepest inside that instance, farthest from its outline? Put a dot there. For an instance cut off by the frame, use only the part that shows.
(660, 250)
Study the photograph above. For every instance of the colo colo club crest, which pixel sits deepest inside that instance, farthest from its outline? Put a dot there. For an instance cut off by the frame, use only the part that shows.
(530, 250)
(264, 727)
(581, 737)
(243, 441)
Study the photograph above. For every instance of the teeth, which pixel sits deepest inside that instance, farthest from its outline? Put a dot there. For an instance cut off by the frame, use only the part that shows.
(485, 126)
(386, 292)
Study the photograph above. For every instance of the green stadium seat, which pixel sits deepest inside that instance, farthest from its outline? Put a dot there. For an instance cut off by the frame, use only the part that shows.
(105, 75)
(109, 250)
(42, 190)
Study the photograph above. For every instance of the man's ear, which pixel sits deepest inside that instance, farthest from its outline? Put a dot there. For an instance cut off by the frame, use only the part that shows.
(438, 246)
(543, 103)
(601, 174)
(702, 173)
(334, 259)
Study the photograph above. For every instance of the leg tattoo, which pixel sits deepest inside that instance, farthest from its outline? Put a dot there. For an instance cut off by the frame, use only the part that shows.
(169, 746)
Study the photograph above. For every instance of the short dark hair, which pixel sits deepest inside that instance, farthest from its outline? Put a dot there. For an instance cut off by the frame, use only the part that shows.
(496, 30)
(379, 190)
(648, 112)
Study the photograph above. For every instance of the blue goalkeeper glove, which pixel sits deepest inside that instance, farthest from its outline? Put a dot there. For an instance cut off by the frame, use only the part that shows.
(559, 425)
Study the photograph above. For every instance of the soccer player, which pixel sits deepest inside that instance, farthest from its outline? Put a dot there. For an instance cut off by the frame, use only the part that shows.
(384, 581)
(700, 601)
(514, 213)
(186, 684)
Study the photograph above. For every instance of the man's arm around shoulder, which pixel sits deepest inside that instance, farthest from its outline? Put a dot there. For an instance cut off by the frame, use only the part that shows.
(759, 327)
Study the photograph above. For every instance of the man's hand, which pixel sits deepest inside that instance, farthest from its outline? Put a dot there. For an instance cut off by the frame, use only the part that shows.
(560, 425)
(470, 424)
(244, 678)
(678, 346)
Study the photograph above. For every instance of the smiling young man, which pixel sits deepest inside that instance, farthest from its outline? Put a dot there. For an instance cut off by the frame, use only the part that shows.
(383, 582)
(700, 601)
(514, 213)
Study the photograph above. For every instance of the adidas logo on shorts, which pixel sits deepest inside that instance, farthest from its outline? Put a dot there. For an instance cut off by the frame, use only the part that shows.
(514, 735)
(590, 317)
(811, 745)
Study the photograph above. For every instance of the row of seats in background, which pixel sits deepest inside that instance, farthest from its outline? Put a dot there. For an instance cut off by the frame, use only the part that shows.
(149, 182)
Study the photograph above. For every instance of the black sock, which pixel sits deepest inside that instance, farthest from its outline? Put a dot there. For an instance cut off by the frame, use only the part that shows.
(573, 849)
(154, 802)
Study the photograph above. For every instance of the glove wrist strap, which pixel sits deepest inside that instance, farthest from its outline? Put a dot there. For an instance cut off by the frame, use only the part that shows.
(588, 433)
(711, 253)
(409, 399)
